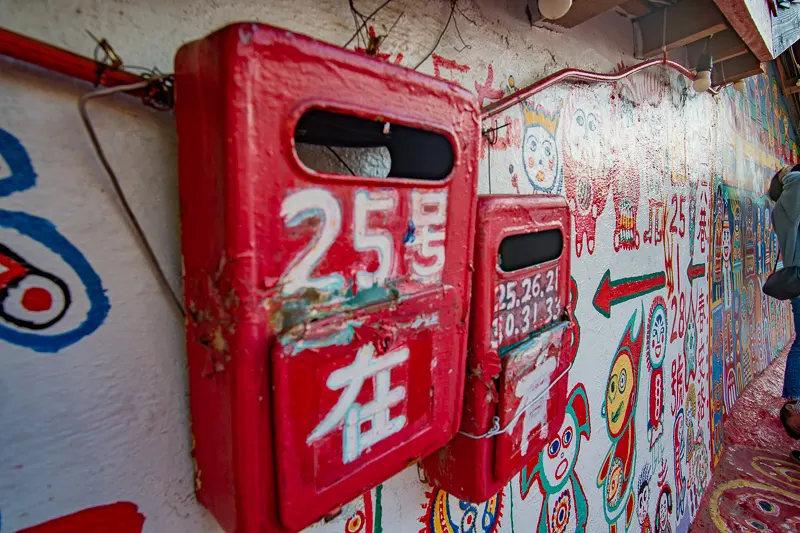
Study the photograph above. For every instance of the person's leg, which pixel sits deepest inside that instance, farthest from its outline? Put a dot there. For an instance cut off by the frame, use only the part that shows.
(791, 377)
(790, 414)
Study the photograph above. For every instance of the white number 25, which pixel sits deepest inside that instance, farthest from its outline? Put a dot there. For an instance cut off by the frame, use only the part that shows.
(320, 203)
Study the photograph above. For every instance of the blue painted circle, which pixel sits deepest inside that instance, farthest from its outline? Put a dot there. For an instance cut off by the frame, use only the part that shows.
(22, 174)
(45, 232)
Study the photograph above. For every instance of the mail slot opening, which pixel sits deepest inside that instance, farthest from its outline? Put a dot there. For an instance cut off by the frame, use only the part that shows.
(530, 249)
(341, 144)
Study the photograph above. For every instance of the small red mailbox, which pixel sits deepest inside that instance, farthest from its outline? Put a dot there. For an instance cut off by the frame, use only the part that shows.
(327, 313)
(520, 346)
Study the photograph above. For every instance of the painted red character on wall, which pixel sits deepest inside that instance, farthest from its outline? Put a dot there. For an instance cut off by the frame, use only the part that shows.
(586, 169)
(625, 173)
(616, 476)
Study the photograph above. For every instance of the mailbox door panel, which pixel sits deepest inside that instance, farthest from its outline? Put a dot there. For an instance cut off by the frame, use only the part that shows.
(355, 399)
(531, 395)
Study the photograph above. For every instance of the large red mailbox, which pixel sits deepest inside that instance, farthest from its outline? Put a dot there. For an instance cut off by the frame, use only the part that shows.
(327, 314)
(520, 345)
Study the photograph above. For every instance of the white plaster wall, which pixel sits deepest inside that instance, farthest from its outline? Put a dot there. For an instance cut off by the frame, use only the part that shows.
(105, 419)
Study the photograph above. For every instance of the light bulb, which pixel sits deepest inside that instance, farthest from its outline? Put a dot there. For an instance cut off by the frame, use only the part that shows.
(702, 82)
(554, 9)
(739, 85)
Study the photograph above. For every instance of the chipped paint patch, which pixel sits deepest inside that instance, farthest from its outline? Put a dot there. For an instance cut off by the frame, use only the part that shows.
(342, 337)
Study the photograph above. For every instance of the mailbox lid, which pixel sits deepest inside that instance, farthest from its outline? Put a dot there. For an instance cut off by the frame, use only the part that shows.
(358, 398)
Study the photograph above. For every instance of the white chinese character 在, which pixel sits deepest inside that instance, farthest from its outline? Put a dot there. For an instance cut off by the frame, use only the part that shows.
(429, 216)
(532, 390)
(351, 378)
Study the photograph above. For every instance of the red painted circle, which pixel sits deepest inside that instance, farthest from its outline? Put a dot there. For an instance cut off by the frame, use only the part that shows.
(37, 299)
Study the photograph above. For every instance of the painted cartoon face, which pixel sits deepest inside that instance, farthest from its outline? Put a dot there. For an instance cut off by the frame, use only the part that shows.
(678, 438)
(540, 157)
(584, 137)
(559, 456)
(658, 336)
(643, 504)
(663, 509)
(619, 391)
(726, 242)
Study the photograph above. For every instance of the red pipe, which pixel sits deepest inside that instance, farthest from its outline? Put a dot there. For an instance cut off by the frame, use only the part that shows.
(577, 74)
(63, 61)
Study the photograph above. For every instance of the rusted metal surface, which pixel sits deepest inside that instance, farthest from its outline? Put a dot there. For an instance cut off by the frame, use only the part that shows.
(327, 349)
(522, 339)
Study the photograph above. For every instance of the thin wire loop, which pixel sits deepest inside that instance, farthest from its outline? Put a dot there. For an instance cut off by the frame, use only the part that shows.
(131, 217)
(497, 430)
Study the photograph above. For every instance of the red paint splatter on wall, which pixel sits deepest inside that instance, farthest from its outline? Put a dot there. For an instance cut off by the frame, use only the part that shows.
(120, 517)
(442, 63)
(485, 91)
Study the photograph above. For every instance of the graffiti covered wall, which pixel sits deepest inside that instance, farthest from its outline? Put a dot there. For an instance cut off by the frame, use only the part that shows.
(671, 241)
(747, 330)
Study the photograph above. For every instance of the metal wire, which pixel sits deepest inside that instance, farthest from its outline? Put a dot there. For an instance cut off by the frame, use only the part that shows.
(131, 217)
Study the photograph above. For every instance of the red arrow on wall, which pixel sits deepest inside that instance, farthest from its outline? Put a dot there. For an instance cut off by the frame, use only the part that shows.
(695, 271)
(611, 293)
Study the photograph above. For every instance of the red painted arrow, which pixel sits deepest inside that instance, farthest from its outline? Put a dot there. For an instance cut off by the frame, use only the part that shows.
(611, 293)
(695, 271)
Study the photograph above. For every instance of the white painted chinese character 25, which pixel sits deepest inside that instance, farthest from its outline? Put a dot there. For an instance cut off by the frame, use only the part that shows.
(429, 216)
(351, 379)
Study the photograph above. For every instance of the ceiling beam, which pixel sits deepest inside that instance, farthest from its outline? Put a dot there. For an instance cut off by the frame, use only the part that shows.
(753, 22)
(583, 10)
(635, 8)
(676, 25)
(735, 69)
(722, 46)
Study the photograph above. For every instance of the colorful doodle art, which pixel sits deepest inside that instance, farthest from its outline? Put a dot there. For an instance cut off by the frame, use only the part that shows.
(643, 499)
(564, 506)
(360, 515)
(586, 169)
(45, 310)
(664, 510)
(447, 514)
(619, 409)
(50, 297)
(540, 155)
(656, 352)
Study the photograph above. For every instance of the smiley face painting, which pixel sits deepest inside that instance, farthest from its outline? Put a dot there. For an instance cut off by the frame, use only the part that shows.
(564, 505)
(616, 476)
(540, 155)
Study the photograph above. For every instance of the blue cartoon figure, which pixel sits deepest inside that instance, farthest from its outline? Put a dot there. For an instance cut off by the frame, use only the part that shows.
(564, 507)
(616, 476)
